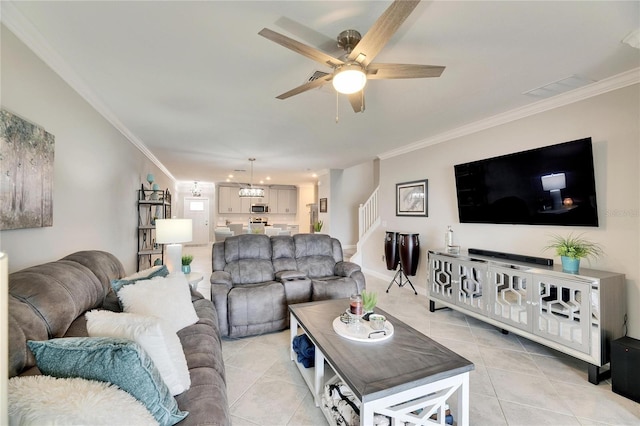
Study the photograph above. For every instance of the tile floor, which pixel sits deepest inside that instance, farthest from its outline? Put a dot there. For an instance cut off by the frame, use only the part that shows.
(515, 381)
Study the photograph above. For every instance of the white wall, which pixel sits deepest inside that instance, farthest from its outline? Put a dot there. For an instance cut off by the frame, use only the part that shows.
(345, 190)
(611, 120)
(96, 169)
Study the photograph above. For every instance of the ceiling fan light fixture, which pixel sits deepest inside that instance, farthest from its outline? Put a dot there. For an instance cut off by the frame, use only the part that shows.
(349, 78)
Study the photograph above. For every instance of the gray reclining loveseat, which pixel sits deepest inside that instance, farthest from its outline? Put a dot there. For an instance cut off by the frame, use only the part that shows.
(255, 277)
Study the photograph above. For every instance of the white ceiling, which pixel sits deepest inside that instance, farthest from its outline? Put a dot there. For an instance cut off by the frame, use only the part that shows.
(196, 84)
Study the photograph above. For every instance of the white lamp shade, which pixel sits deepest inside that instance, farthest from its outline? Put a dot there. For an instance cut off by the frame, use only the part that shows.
(170, 231)
(553, 181)
(349, 79)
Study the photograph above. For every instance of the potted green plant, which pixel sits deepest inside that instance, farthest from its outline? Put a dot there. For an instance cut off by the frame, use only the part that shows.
(317, 226)
(186, 263)
(369, 301)
(572, 248)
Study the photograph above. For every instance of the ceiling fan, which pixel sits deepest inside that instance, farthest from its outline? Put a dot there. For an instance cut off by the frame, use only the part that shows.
(351, 72)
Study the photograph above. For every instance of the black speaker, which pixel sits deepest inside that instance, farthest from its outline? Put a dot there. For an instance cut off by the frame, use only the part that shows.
(625, 367)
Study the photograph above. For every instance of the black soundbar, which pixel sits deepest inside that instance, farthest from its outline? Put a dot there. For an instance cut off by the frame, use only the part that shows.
(512, 256)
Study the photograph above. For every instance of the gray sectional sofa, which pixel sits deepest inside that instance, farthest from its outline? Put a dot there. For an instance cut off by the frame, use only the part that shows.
(49, 301)
(255, 277)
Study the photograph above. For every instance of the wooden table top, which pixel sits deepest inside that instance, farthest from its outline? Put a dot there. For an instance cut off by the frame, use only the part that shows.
(379, 368)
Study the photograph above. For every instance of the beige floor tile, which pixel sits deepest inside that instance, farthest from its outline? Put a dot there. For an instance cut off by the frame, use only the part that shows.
(258, 357)
(495, 338)
(450, 331)
(238, 381)
(506, 359)
(598, 403)
(307, 414)
(531, 390)
(269, 401)
(522, 415)
(563, 369)
(484, 411)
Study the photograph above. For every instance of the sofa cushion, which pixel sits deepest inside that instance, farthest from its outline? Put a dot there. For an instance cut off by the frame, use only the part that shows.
(333, 288)
(246, 317)
(283, 253)
(248, 259)
(206, 399)
(103, 265)
(119, 361)
(314, 254)
(166, 298)
(36, 400)
(162, 345)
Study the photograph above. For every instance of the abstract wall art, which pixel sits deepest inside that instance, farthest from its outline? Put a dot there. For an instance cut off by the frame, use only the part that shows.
(26, 174)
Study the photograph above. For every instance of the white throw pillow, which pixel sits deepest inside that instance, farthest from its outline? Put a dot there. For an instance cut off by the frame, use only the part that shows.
(160, 343)
(167, 298)
(46, 400)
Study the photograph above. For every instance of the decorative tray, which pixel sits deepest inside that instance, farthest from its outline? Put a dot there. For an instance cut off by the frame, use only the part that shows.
(363, 331)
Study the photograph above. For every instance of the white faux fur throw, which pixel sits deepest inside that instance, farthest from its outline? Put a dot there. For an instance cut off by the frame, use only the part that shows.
(46, 400)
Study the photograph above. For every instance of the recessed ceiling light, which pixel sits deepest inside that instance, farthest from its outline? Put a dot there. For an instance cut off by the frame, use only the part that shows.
(261, 182)
(268, 177)
(230, 176)
(314, 175)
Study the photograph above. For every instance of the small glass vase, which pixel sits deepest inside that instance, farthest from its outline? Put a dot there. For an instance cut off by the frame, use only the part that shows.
(186, 269)
(570, 264)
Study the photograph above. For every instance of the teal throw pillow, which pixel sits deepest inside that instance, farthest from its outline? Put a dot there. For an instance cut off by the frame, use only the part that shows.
(147, 274)
(119, 361)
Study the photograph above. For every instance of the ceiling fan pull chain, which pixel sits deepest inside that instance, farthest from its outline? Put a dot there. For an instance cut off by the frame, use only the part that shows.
(337, 111)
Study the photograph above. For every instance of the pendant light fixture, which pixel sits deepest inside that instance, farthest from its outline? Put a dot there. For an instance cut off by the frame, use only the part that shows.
(195, 190)
(251, 192)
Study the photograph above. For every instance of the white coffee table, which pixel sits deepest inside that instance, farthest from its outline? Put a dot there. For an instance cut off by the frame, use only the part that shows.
(383, 375)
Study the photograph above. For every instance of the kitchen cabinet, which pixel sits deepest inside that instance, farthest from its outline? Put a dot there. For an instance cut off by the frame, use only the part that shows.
(578, 314)
(283, 201)
(287, 201)
(229, 200)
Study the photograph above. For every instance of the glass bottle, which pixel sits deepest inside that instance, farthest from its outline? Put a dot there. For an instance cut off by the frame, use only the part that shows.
(355, 304)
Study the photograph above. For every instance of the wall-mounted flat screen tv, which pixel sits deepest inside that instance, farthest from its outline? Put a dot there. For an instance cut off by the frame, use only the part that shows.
(552, 185)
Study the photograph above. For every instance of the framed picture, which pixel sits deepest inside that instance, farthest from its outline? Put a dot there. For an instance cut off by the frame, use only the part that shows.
(26, 153)
(411, 198)
(323, 205)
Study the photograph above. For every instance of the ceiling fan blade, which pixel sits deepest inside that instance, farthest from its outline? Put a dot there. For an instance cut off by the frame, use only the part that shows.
(388, 71)
(301, 48)
(357, 101)
(307, 86)
(382, 30)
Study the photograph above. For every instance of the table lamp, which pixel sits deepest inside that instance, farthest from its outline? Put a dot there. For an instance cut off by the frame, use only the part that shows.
(172, 232)
(554, 183)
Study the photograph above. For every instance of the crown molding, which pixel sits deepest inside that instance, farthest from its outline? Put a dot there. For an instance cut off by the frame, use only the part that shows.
(615, 82)
(22, 28)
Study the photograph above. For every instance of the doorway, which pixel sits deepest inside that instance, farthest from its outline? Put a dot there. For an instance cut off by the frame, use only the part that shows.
(197, 209)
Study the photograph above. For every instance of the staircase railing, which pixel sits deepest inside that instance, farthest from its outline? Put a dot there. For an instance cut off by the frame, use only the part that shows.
(368, 213)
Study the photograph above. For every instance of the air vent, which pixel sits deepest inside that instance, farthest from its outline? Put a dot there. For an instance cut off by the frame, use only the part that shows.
(558, 87)
(316, 75)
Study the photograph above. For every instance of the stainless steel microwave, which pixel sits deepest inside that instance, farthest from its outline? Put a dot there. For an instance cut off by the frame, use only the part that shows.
(259, 208)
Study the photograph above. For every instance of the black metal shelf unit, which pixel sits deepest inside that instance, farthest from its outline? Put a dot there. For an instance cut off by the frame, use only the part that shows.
(152, 205)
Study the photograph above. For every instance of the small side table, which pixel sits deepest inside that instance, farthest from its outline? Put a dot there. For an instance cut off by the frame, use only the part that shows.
(194, 278)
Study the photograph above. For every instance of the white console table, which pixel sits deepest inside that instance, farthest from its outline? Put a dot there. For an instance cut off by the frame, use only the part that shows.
(576, 314)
